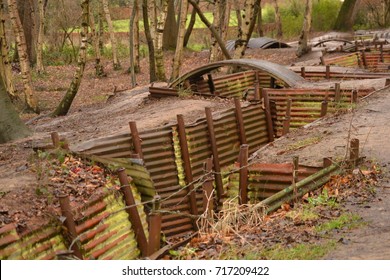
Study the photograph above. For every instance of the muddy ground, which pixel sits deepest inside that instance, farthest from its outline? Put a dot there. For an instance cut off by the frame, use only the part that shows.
(99, 110)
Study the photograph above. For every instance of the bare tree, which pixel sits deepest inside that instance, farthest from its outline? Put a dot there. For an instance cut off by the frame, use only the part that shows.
(66, 102)
(245, 32)
(190, 26)
(347, 14)
(132, 58)
(170, 28)
(158, 11)
(116, 63)
(149, 39)
(279, 31)
(303, 46)
(5, 70)
(11, 126)
(260, 30)
(30, 98)
(95, 36)
(211, 27)
(180, 40)
(40, 37)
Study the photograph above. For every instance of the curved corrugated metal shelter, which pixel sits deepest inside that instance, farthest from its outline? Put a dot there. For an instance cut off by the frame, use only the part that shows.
(344, 41)
(259, 43)
(279, 72)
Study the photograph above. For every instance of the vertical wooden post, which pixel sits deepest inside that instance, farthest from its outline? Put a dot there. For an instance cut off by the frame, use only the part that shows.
(214, 150)
(268, 115)
(154, 227)
(354, 151)
(240, 121)
(337, 92)
(295, 178)
(381, 50)
(243, 172)
(364, 59)
(387, 82)
(356, 45)
(131, 209)
(70, 224)
(324, 108)
(136, 139)
(327, 73)
(272, 82)
(295, 169)
(187, 164)
(55, 138)
(257, 86)
(208, 201)
(210, 82)
(327, 162)
(354, 97)
(303, 72)
(287, 118)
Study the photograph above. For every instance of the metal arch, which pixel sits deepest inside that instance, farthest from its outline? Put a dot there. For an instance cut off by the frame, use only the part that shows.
(332, 40)
(279, 72)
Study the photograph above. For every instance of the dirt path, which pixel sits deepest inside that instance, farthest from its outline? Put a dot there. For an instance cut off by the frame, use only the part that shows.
(370, 124)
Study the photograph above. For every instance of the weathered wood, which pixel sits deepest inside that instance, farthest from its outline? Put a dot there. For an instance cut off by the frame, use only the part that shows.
(135, 138)
(243, 173)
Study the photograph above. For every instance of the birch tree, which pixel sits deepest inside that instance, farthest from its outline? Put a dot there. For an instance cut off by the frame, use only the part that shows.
(106, 10)
(95, 37)
(66, 102)
(20, 39)
(158, 11)
(5, 70)
(303, 46)
(11, 126)
(40, 36)
(245, 32)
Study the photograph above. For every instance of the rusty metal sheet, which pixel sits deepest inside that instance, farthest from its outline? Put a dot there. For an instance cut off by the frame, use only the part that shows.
(105, 230)
(279, 72)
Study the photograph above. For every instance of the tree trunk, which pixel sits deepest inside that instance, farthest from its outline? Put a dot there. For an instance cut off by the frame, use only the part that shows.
(131, 43)
(211, 28)
(347, 15)
(11, 126)
(95, 36)
(279, 30)
(106, 10)
(5, 70)
(190, 26)
(149, 39)
(41, 28)
(171, 27)
(217, 24)
(66, 102)
(238, 14)
(245, 32)
(303, 47)
(160, 10)
(137, 64)
(180, 40)
(31, 101)
(28, 21)
(260, 30)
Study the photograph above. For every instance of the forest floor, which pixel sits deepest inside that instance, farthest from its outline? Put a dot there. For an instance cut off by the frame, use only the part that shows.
(105, 106)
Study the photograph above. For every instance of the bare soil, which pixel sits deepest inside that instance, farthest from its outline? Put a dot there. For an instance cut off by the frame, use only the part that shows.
(105, 106)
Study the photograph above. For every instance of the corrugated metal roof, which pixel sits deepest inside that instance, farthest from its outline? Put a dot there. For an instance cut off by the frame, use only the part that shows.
(288, 77)
(259, 43)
